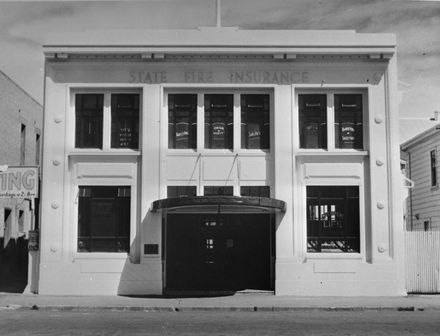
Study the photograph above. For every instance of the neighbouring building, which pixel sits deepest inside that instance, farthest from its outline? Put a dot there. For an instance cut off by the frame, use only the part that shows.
(420, 158)
(220, 159)
(20, 145)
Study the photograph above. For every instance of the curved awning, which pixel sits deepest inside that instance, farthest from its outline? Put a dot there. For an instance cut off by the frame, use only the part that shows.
(219, 204)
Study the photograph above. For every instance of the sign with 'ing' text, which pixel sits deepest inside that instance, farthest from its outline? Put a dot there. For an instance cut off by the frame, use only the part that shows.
(19, 182)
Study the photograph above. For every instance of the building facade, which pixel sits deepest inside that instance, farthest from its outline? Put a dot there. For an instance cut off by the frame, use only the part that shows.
(420, 155)
(20, 145)
(221, 159)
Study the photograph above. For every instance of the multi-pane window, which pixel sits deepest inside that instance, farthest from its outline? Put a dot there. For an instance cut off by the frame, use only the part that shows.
(181, 191)
(231, 120)
(313, 120)
(122, 113)
(89, 115)
(255, 191)
(333, 219)
(348, 121)
(125, 121)
(433, 161)
(104, 219)
(219, 121)
(182, 121)
(342, 112)
(255, 123)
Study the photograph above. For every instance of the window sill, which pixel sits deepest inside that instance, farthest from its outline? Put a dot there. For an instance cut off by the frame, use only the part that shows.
(218, 152)
(323, 152)
(121, 152)
(100, 256)
(334, 256)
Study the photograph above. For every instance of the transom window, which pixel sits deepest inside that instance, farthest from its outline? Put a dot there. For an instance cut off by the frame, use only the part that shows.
(231, 120)
(331, 120)
(333, 219)
(107, 120)
(104, 219)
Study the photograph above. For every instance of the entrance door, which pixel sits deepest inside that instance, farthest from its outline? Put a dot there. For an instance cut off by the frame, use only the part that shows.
(218, 252)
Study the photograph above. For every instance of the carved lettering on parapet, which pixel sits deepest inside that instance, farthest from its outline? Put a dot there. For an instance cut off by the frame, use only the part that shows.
(275, 77)
(149, 77)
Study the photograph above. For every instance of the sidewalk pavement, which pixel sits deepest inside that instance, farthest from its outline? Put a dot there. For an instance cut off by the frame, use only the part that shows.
(237, 302)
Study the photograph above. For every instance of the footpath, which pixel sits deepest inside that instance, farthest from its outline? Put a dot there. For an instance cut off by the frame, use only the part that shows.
(236, 302)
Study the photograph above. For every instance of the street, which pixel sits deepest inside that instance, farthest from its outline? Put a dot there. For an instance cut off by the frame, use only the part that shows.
(307, 322)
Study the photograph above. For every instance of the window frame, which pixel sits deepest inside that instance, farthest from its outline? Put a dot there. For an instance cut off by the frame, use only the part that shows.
(323, 200)
(76, 255)
(330, 118)
(107, 91)
(92, 237)
(361, 255)
(433, 168)
(236, 92)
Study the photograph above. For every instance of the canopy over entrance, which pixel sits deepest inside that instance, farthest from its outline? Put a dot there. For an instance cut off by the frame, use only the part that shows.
(219, 204)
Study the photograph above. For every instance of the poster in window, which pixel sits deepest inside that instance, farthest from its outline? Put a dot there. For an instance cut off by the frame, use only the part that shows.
(347, 135)
(125, 137)
(218, 135)
(311, 131)
(254, 135)
(182, 135)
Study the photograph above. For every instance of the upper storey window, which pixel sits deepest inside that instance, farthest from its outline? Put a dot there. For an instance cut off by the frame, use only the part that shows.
(107, 120)
(182, 121)
(219, 129)
(255, 123)
(313, 120)
(331, 120)
(89, 115)
(125, 121)
(230, 121)
(348, 121)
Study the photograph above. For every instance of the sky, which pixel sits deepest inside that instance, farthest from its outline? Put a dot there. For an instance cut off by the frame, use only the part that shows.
(24, 26)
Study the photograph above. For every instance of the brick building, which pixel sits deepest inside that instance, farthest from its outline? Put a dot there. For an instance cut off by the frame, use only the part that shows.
(20, 139)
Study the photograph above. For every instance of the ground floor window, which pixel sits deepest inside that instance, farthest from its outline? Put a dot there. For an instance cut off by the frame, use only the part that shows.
(333, 219)
(104, 219)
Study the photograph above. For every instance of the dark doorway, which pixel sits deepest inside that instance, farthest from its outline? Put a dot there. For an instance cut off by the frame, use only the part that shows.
(219, 252)
(13, 257)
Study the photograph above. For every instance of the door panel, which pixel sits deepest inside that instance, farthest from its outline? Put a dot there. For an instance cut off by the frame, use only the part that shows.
(218, 252)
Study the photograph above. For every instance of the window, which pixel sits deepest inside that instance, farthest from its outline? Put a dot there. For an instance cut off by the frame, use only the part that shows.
(22, 144)
(219, 130)
(313, 120)
(215, 191)
(182, 121)
(181, 191)
(348, 121)
(255, 121)
(125, 121)
(231, 120)
(255, 191)
(316, 114)
(104, 219)
(333, 219)
(20, 221)
(433, 168)
(37, 148)
(89, 116)
(93, 111)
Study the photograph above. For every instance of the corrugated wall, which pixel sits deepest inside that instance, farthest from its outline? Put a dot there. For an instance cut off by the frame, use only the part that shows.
(422, 261)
